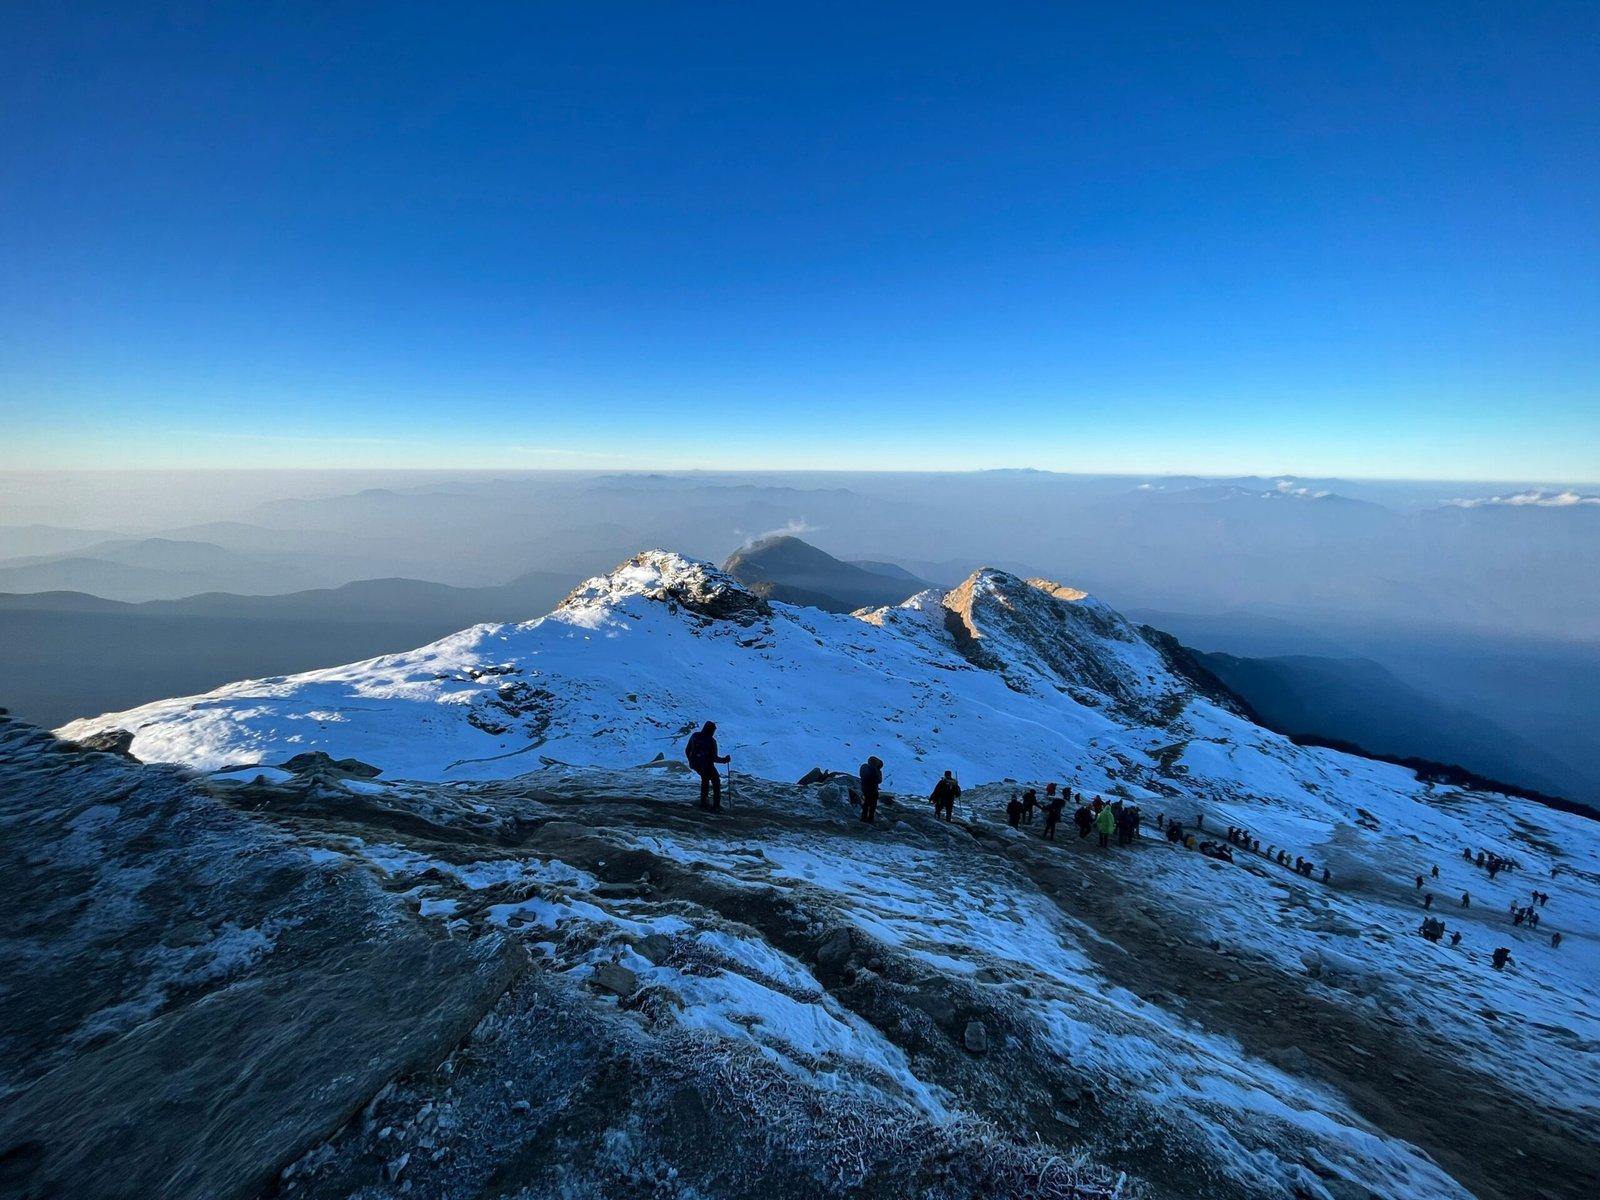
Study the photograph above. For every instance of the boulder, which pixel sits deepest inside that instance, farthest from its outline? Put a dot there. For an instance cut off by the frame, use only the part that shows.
(110, 741)
(317, 762)
(941, 1010)
(835, 949)
(976, 1038)
(615, 978)
(655, 947)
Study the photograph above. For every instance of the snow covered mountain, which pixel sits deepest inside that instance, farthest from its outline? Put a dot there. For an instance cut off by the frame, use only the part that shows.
(1209, 1028)
(998, 678)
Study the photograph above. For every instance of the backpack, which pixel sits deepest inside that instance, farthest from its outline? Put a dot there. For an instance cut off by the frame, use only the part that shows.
(695, 750)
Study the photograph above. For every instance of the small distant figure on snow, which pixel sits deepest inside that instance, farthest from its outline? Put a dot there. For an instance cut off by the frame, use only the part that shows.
(1455, 938)
(1014, 812)
(1436, 870)
(1555, 940)
(1466, 899)
(1502, 956)
(1419, 883)
(1427, 900)
(1030, 801)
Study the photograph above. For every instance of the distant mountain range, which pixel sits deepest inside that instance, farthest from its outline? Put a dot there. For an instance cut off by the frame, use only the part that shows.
(66, 654)
(795, 572)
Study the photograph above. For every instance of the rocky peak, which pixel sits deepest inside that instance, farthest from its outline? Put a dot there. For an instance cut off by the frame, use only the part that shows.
(1026, 628)
(672, 579)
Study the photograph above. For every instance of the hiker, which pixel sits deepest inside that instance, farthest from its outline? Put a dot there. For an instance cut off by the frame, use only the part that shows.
(1518, 917)
(1455, 938)
(1014, 813)
(1052, 815)
(1427, 899)
(1124, 823)
(1325, 875)
(1084, 820)
(703, 759)
(944, 797)
(1480, 858)
(1106, 822)
(1466, 853)
(1419, 883)
(1533, 918)
(1555, 940)
(1097, 806)
(871, 780)
(1436, 870)
(1466, 899)
(1502, 955)
(1030, 801)
(1199, 820)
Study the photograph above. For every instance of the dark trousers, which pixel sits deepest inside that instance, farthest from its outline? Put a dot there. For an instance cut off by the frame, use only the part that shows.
(869, 803)
(1050, 828)
(1105, 839)
(711, 780)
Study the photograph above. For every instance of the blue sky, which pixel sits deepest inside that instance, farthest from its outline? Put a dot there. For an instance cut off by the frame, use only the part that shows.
(1350, 239)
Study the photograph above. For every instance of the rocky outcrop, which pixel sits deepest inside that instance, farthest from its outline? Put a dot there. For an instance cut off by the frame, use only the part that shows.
(109, 741)
(680, 583)
(191, 1001)
(316, 762)
(1035, 630)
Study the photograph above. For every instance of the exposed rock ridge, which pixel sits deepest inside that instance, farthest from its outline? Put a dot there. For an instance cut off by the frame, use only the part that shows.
(677, 581)
(1037, 627)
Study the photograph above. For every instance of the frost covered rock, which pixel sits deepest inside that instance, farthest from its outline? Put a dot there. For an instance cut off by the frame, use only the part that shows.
(976, 1037)
(616, 979)
(143, 1055)
(835, 950)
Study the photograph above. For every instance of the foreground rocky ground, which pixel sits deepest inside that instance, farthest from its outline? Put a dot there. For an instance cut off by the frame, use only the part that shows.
(312, 983)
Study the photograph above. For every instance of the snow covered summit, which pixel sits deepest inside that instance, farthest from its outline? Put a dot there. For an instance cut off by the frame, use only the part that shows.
(998, 677)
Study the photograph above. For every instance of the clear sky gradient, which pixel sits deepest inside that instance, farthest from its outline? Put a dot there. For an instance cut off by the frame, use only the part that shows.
(1358, 239)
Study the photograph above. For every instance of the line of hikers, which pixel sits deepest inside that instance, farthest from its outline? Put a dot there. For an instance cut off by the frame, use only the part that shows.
(1489, 861)
(1123, 821)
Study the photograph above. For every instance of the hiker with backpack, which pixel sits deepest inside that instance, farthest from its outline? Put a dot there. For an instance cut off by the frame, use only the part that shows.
(944, 797)
(871, 780)
(1014, 812)
(703, 759)
(1052, 815)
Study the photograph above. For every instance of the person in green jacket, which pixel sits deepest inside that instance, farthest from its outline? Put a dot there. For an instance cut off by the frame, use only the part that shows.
(1106, 823)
